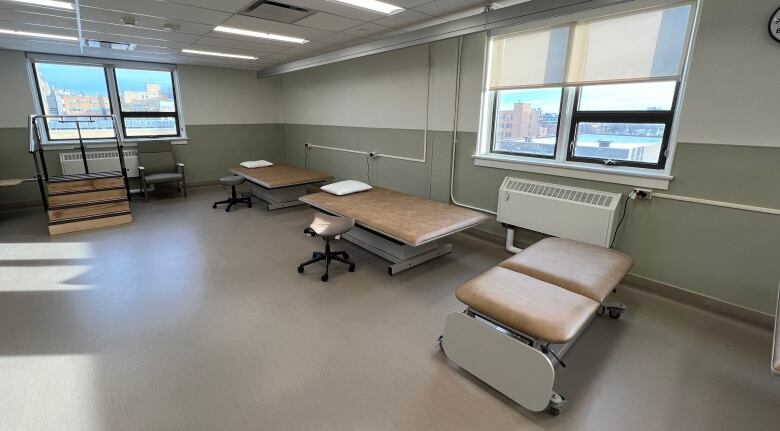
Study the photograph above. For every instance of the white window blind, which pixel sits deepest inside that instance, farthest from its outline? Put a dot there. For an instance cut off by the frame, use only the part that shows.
(639, 46)
(529, 59)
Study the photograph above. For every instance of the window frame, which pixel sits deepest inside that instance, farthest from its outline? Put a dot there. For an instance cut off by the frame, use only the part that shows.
(665, 117)
(496, 103)
(144, 114)
(41, 104)
(109, 67)
(643, 176)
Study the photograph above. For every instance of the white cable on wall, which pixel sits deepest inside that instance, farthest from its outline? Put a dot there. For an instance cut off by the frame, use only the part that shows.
(455, 132)
(721, 204)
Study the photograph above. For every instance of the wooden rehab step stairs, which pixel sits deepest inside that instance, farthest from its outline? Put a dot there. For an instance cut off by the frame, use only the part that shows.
(87, 201)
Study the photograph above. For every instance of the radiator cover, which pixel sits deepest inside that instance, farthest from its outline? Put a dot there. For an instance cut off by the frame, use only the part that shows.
(558, 210)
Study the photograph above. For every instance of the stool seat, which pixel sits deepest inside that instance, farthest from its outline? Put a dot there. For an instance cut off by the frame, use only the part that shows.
(329, 226)
(231, 180)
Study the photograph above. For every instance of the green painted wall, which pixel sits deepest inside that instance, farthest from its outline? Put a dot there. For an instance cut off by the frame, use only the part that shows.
(728, 254)
(207, 156)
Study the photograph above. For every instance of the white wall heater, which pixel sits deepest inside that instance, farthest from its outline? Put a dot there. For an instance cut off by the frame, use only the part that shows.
(99, 161)
(562, 211)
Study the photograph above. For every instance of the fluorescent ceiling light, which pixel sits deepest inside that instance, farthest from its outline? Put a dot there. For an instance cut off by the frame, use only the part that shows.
(372, 5)
(218, 54)
(49, 3)
(250, 33)
(33, 34)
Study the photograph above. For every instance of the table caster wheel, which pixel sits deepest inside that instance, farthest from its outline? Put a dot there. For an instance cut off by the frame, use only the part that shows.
(300, 270)
(324, 277)
(352, 268)
(214, 206)
(615, 314)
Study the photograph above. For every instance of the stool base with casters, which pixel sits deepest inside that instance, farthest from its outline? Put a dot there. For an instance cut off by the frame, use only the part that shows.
(328, 227)
(233, 181)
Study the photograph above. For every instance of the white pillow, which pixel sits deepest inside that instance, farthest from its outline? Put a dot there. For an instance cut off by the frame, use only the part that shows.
(256, 164)
(342, 188)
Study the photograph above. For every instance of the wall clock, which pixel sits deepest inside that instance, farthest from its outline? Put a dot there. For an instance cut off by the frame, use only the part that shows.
(774, 25)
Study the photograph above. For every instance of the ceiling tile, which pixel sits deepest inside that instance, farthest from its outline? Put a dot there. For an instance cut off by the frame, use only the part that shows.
(144, 21)
(161, 9)
(38, 19)
(326, 21)
(259, 48)
(121, 31)
(366, 30)
(266, 26)
(440, 8)
(408, 4)
(223, 5)
(336, 9)
(342, 38)
(403, 19)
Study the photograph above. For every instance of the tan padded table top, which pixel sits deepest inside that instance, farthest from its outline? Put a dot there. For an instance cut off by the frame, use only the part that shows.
(587, 269)
(409, 219)
(280, 175)
(533, 307)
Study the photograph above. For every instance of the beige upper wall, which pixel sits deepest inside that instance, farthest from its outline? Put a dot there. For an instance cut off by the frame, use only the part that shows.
(733, 92)
(16, 100)
(210, 95)
(387, 90)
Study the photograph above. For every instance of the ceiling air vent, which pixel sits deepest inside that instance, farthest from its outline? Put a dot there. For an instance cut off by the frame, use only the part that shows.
(119, 46)
(275, 11)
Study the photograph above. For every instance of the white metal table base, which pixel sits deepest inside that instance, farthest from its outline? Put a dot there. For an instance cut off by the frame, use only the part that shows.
(402, 256)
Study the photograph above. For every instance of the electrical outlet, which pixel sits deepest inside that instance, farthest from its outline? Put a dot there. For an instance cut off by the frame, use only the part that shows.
(644, 194)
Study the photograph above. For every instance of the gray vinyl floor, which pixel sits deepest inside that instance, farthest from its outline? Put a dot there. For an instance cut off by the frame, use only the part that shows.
(195, 319)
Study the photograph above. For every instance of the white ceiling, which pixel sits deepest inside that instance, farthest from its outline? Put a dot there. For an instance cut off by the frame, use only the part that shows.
(332, 26)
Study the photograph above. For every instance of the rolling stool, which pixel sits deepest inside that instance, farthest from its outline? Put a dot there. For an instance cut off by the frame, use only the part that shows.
(233, 181)
(328, 227)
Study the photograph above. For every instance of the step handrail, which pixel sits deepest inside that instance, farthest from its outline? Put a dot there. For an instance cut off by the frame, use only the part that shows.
(36, 149)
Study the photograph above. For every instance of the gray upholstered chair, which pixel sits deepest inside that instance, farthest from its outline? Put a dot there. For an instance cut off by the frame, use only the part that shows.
(156, 165)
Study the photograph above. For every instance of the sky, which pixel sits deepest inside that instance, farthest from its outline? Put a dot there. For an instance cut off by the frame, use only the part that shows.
(91, 79)
(597, 97)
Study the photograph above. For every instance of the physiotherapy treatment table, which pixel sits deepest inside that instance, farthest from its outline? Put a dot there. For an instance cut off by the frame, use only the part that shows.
(280, 185)
(406, 230)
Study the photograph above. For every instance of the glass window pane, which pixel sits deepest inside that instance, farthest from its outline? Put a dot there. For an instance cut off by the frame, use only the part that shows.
(527, 121)
(153, 126)
(67, 89)
(145, 90)
(648, 96)
(630, 142)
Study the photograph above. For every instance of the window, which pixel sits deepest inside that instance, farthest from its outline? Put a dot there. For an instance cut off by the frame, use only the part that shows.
(144, 100)
(597, 91)
(147, 102)
(526, 121)
(66, 89)
(623, 124)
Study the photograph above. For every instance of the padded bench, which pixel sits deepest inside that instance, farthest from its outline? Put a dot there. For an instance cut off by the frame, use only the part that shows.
(524, 313)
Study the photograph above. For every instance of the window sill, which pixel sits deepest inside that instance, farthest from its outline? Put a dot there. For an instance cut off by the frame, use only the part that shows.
(609, 174)
(109, 143)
